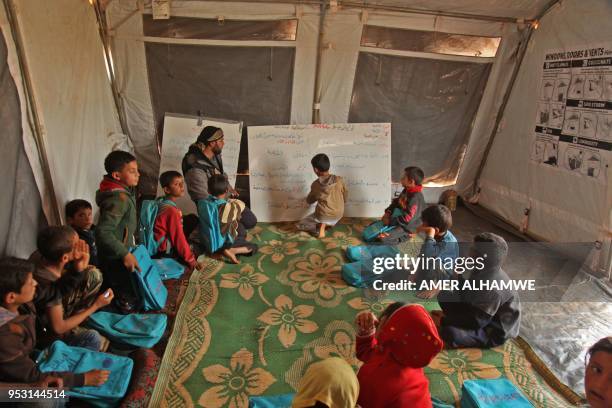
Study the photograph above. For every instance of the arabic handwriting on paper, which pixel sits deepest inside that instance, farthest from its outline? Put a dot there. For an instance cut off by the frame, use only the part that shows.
(281, 172)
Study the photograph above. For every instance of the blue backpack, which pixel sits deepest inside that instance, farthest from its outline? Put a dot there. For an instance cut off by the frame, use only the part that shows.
(169, 268)
(210, 227)
(496, 393)
(152, 291)
(60, 357)
(359, 274)
(148, 215)
(364, 252)
(274, 401)
(370, 233)
(140, 330)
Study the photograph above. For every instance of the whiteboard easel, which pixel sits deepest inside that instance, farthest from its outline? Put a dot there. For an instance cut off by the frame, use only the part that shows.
(180, 132)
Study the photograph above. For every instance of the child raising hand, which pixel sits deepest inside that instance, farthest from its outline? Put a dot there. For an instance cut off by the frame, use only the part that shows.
(394, 349)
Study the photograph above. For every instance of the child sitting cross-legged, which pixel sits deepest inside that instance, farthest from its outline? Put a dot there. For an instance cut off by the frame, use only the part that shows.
(394, 349)
(18, 332)
(403, 216)
(221, 229)
(329, 192)
(439, 250)
(68, 289)
(168, 228)
(480, 318)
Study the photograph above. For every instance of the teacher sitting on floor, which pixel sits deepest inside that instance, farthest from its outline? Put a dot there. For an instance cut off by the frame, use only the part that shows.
(203, 159)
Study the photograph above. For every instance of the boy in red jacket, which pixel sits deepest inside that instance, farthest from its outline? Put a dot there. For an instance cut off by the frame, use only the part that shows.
(394, 350)
(169, 221)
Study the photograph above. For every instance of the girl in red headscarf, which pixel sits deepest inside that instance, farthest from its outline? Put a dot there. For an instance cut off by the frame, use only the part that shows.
(394, 350)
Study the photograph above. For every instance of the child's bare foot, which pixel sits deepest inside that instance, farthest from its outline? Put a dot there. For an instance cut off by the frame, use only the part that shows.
(231, 255)
(321, 230)
(428, 294)
(242, 250)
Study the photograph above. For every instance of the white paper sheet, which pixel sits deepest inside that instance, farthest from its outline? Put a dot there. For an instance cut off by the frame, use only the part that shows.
(180, 131)
(281, 173)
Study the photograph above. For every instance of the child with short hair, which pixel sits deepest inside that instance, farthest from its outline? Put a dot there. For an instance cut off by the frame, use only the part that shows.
(394, 349)
(598, 374)
(439, 244)
(480, 318)
(329, 192)
(404, 213)
(68, 289)
(79, 216)
(18, 333)
(168, 228)
(117, 225)
(221, 228)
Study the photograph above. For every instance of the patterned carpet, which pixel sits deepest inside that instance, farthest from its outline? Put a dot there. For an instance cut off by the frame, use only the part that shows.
(253, 328)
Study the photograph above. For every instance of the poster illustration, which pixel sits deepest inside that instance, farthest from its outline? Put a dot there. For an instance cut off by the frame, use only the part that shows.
(573, 129)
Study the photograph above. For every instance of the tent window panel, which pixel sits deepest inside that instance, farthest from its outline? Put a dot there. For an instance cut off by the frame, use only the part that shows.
(429, 41)
(248, 84)
(208, 29)
(430, 104)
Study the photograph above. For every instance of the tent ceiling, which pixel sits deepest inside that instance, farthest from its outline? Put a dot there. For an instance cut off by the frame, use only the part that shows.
(526, 9)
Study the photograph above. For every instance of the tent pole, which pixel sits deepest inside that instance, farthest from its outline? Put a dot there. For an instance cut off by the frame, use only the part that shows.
(100, 18)
(33, 117)
(316, 104)
(500, 114)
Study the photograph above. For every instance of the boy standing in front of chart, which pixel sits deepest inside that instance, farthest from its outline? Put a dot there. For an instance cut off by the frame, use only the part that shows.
(329, 192)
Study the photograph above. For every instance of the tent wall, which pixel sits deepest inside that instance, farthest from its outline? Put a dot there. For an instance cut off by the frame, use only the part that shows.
(129, 44)
(341, 50)
(564, 206)
(20, 200)
(71, 91)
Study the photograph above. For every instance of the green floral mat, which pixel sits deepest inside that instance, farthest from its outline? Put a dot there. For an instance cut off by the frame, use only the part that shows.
(254, 328)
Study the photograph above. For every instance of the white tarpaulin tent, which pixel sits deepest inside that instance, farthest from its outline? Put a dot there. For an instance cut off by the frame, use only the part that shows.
(333, 64)
(509, 102)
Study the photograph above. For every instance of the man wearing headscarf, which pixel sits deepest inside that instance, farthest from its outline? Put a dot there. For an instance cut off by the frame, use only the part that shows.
(203, 160)
(480, 318)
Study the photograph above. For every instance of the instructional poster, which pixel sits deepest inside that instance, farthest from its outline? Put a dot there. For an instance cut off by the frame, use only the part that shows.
(573, 128)
(281, 173)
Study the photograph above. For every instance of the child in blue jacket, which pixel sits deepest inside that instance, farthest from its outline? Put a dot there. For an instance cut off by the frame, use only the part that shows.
(221, 226)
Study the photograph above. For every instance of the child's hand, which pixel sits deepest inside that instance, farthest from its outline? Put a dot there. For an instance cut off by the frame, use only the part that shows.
(428, 231)
(382, 235)
(104, 299)
(80, 255)
(131, 263)
(366, 322)
(50, 381)
(96, 378)
(386, 219)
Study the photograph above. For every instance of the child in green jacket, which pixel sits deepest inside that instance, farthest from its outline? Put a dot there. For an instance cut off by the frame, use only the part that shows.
(117, 225)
